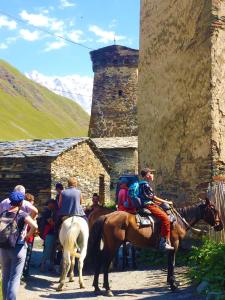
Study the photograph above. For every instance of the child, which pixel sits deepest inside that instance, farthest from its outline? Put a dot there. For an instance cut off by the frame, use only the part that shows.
(48, 235)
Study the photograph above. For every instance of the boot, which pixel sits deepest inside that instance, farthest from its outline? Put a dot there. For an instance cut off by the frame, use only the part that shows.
(164, 245)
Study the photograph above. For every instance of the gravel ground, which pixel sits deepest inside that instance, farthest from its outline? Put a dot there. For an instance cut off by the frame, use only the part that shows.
(139, 284)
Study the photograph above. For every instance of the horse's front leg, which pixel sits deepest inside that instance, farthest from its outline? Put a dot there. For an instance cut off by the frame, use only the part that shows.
(65, 269)
(171, 280)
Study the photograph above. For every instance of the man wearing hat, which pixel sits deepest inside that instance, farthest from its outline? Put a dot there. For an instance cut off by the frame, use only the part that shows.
(151, 202)
(124, 201)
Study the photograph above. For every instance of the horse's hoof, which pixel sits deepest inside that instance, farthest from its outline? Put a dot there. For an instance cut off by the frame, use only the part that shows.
(97, 291)
(59, 288)
(174, 286)
(109, 293)
(82, 286)
(71, 279)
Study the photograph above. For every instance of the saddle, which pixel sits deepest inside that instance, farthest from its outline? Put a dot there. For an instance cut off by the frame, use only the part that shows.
(144, 218)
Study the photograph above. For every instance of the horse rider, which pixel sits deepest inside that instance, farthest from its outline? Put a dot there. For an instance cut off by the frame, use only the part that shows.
(150, 201)
(70, 201)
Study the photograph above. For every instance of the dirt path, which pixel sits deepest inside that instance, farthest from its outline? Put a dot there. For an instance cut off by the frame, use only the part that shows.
(139, 284)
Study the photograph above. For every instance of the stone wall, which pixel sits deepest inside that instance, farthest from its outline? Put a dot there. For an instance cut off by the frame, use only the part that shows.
(82, 163)
(32, 172)
(123, 161)
(114, 102)
(181, 94)
(218, 87)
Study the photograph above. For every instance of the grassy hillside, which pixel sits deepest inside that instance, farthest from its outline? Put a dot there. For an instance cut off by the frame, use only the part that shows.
(28, 110)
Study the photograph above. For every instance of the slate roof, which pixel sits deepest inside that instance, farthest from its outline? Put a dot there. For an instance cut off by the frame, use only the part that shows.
(38, 147)
(116, 142)
(47, 148)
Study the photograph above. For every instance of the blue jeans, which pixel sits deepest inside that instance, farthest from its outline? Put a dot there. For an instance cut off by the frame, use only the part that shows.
(12, 262)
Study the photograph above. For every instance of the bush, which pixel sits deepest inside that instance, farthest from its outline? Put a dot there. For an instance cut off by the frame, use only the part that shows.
(208, 263)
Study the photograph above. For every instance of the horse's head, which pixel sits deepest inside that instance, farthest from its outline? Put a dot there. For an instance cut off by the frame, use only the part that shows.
(211, 215)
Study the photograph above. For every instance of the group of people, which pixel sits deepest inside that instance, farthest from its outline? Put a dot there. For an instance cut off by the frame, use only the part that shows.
(20, 208)
(68, 202)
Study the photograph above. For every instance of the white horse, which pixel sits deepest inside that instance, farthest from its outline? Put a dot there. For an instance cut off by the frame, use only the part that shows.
(73, 235)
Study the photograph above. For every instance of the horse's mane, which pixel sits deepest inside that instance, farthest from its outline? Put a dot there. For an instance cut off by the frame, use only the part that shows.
(189, 213)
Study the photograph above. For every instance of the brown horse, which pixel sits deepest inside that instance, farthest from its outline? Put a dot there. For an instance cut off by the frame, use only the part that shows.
(117, 227)
(102, 211)
(95, 214)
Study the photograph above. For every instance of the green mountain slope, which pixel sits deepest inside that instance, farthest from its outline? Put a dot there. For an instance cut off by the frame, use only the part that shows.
(28, 110)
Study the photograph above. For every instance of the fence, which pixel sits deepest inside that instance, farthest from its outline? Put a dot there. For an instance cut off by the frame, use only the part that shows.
(216, 194)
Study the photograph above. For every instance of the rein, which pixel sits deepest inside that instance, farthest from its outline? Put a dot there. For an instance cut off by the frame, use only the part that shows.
(186, 223)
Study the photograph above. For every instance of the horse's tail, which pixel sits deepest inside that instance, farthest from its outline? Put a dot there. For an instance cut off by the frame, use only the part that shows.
(68, 236)
(95, 237)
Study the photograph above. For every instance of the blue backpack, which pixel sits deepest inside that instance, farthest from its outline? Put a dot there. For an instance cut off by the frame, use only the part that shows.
(134, 192)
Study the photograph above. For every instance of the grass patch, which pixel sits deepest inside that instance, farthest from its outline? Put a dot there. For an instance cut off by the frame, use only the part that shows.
(28, 110)
(207, 263)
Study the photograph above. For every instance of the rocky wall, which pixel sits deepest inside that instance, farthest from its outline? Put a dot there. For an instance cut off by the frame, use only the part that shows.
(31, 172)
(82, 163)
(114, 103)
(175, 96)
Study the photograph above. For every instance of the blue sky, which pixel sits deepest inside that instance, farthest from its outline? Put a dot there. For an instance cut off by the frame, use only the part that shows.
(93, 23)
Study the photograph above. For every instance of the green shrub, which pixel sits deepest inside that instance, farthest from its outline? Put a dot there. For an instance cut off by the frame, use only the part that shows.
(208, 263)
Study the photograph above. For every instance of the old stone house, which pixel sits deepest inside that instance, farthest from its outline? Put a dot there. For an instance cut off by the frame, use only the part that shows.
(39, 164)
(114, 100)
(181, 108)
(122, 153)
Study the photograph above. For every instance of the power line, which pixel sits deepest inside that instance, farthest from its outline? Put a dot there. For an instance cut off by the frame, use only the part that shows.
(44, 30)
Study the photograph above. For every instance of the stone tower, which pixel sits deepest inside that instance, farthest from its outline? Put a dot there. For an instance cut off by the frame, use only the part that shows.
(181, 104)
(114, 101)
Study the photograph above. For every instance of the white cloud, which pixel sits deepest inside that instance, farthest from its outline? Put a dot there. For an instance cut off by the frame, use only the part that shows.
(66, 3)
(29, 35)
(35, 19)
(5, 22)
(75, 36)
(55, 45)
(105, 36)
(41, 20)
(3, 46)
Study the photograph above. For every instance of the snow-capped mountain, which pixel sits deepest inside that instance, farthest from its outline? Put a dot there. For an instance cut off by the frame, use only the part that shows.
(75, 87)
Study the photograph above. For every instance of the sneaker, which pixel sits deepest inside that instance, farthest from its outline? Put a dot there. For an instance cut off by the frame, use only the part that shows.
(164, 245)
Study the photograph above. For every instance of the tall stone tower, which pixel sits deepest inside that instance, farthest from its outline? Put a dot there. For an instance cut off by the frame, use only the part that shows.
(114, 101)
(181, 104)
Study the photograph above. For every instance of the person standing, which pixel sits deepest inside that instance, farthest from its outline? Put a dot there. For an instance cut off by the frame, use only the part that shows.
(150, 201)
(30, 241)
(27, 206)
(12, 258)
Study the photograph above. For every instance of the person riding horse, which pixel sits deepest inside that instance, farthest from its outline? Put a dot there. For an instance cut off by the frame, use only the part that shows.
(150, 201)
(70, 201)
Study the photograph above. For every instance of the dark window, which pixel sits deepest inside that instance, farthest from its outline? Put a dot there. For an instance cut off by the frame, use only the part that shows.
(102, 188)
(120, 93)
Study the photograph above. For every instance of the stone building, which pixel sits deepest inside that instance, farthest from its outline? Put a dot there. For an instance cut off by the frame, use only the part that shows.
(39, 164)
(114, 101)
(122, 153)
(181, 102)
